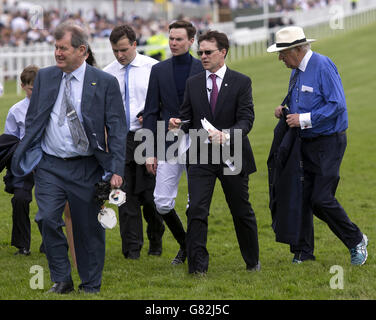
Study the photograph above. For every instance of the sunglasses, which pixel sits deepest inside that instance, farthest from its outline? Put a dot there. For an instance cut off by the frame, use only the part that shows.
(207, 52)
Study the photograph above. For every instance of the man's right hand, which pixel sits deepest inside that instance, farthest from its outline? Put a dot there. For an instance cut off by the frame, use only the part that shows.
(174, 123)
(151, 165)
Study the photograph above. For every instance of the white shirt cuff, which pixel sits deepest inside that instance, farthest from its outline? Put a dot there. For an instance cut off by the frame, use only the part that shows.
(305, 120)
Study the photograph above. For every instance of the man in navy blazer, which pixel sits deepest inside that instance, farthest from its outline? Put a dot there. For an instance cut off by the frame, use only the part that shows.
(165, 95)
(224, 98)
(66, 167)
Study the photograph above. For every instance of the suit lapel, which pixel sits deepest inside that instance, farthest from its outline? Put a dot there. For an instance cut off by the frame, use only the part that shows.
(170, 79)
(223, 92)
(203, 96)
(55, 82)
(196, 67)
(88, 90)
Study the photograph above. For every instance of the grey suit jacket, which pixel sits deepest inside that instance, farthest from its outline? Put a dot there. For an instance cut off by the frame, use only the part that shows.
(102, 110)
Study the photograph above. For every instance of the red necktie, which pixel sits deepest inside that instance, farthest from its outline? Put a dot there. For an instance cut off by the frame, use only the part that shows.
(214, 92)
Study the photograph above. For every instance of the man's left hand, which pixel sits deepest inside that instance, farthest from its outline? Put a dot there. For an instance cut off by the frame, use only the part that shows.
(293, 120)
(217, 137)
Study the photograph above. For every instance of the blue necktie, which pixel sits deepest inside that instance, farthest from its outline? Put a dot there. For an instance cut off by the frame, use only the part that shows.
(126, 93)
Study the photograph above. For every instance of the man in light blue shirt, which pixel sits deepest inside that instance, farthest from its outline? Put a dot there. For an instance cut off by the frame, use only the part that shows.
(75, 133)
(317, 107)
(21, 187)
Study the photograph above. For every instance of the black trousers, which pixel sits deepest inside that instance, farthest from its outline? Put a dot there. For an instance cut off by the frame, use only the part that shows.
(139, 190)
(21, 234)
(201, 183)
(322, 158)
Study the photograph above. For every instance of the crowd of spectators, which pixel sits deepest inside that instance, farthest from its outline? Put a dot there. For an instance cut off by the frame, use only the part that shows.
(18, 27)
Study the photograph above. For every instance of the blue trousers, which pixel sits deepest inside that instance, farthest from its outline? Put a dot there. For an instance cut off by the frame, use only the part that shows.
(56, 182)
(322, 158)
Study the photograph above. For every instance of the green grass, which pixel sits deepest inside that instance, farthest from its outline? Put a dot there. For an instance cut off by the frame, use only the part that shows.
(155, 278)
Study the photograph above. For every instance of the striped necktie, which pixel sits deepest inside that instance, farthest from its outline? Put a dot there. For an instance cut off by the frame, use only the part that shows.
(68, 111)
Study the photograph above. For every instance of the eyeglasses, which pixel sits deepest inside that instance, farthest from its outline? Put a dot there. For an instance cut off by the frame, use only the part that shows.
(207, 52)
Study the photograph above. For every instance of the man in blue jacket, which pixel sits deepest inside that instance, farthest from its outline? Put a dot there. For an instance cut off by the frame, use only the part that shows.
(72, 109)
(318, 109)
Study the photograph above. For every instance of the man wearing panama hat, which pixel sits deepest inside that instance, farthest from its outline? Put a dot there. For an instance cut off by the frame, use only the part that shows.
(316, 106)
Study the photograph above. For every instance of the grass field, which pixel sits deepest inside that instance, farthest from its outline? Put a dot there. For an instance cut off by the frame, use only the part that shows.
(154, 277)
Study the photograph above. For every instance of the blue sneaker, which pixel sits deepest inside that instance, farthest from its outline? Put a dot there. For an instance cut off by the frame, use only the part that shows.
(359, 254)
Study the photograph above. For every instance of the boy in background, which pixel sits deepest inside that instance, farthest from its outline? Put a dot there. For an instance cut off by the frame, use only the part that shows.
(21, 187)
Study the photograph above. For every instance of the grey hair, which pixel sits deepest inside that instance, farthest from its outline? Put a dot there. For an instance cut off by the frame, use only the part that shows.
(79, 36)
(306, 47)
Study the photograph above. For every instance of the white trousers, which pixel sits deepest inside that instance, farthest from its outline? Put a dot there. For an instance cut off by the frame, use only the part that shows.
(166, 185)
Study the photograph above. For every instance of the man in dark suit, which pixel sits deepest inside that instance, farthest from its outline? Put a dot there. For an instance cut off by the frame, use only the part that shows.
(164, 97)
(226, 102)
(71, 107)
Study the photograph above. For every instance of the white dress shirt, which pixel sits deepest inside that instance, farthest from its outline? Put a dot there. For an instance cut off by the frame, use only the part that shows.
(305, 118)
(138, 80)
(220, 75)
(15, 122)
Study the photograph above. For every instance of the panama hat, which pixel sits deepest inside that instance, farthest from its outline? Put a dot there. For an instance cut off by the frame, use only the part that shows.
(289, 37)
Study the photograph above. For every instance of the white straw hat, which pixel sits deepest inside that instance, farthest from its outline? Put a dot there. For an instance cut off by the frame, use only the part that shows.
(289, 37)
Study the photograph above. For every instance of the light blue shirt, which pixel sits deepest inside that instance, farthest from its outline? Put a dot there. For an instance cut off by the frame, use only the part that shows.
(15, 122)
(319, 95)
(57, 141)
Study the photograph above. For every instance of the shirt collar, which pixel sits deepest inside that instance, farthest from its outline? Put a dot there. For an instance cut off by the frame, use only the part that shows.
(136, 62)
(303, 64)
(79, 73)
(220, 72)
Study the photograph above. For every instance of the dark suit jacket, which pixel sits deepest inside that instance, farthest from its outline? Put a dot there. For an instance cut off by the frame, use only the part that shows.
(162, 102)
(234, 109)
(101, 107)
(286, 183)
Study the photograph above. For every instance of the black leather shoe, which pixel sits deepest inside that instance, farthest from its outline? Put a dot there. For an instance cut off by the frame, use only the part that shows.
(180, 257)
(62, 287)
(23, 251)
(257, 267)
(155, 248)
(133, 255)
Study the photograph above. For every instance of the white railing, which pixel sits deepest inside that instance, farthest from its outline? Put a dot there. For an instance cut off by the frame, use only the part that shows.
(244, 43)
(320, 27)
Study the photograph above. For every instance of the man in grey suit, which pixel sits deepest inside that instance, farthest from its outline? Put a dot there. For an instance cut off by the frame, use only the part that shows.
(164, 97)
(224, 98)
(73, 108)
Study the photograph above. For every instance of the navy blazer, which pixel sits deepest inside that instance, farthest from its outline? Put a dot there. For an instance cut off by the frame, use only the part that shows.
(102, 110)
(234, 109)
(162, 102)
